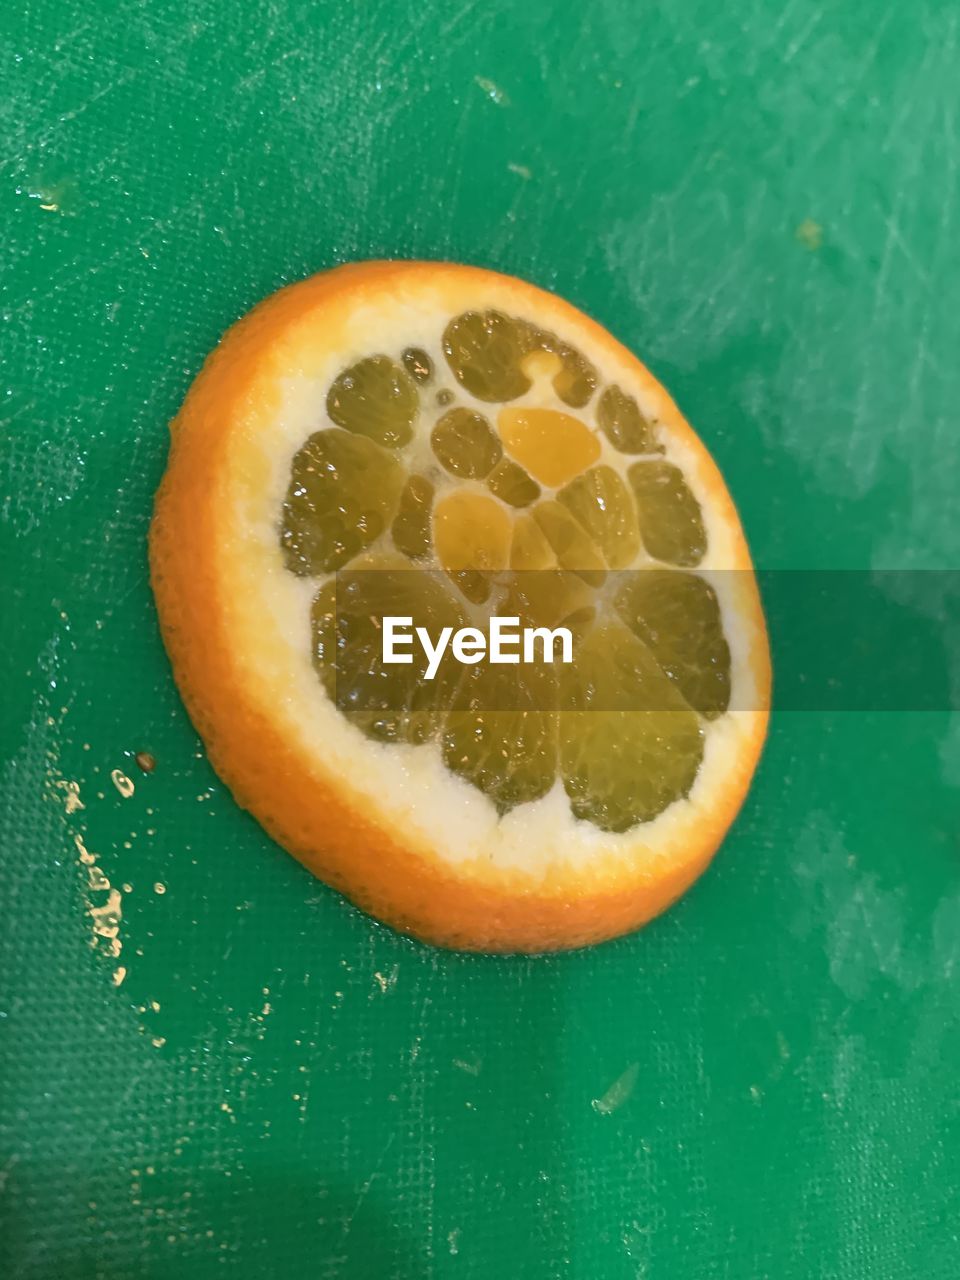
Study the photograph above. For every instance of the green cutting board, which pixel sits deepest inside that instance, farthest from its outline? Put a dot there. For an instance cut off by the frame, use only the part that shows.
(762, 201)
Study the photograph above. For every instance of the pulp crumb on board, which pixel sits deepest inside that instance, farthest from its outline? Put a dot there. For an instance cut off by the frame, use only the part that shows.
(122, 783)
(71, 799)
(810, 234)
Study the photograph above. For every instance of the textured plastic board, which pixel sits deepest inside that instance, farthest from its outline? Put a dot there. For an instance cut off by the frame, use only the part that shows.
(762, 200)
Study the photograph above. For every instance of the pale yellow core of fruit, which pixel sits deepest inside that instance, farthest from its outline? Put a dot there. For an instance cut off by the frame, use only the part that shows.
(511, 511)
(541, 367)
(554, 447)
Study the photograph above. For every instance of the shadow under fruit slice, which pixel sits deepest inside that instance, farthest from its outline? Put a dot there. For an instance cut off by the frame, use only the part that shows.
(342, 494)
(629, 744)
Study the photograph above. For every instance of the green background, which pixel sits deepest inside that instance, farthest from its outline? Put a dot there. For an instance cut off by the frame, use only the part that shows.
(761, 200)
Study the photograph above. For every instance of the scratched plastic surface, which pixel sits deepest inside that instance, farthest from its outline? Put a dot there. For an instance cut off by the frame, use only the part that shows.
(763, 202)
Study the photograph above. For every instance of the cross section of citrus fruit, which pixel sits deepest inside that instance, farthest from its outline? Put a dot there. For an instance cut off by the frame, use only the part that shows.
(497, 452)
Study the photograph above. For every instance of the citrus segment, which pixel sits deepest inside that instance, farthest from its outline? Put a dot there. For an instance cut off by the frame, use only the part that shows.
(671, 523)
(530, 548)
(465, 444)
(554, 447)
(571, 544)
(512, 485)
(411, 528)
(418, 364)
(508, 755)
(546, 598)
(391, 703)
(484, 351)
(677, 615)
(621, 421)
(495, 357)
(472, 534)
(342, 492)
(376, 398)
(630, 746)
(471, 531)
(599, 500)
(576, 381)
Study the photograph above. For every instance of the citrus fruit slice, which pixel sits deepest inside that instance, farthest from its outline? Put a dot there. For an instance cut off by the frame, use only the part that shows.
(440, 442)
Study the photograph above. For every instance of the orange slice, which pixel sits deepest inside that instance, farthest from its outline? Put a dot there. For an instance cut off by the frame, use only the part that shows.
(446, 443)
